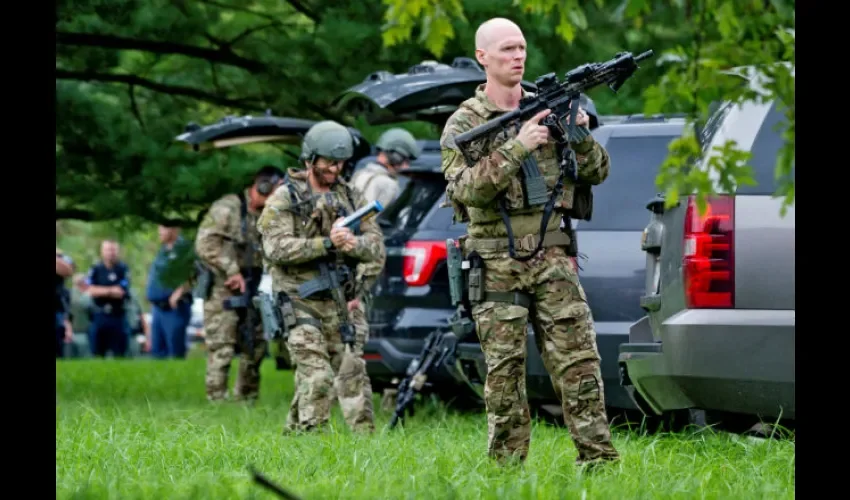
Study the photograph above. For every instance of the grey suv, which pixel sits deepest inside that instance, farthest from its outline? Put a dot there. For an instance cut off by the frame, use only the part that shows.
(719, 333)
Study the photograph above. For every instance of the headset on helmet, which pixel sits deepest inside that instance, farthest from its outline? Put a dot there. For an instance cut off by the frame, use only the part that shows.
(398, 145)
(267, 179)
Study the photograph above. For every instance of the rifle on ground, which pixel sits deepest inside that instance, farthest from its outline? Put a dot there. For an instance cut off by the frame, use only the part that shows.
(270, 485)
(563, 99)
(439, 348)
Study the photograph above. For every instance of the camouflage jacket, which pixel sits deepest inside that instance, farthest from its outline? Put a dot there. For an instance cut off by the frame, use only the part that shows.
(473, 190)
(220, 244)
(293, 234)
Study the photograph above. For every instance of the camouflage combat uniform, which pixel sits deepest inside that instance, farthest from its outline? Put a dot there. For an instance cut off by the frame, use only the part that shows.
(220, 246)
(292, 241)
(554, 298)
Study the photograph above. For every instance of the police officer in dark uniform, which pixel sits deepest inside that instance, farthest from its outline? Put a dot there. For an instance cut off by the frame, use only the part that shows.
(109, 285)
(64, 269)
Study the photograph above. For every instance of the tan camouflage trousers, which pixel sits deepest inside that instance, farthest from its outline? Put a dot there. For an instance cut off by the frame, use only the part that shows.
(222, 336)
(567, 342)
(318, 356)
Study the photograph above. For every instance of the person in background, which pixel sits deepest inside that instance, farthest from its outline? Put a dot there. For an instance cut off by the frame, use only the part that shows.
(108, 284)
(81, 315)
(64, 333)
(172, 307)
(378, 181)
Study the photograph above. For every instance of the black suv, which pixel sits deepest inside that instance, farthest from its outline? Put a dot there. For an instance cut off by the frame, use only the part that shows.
(411, 297)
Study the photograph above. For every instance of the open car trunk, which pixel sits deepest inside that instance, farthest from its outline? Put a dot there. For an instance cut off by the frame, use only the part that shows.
(429, 92)
(237, 130)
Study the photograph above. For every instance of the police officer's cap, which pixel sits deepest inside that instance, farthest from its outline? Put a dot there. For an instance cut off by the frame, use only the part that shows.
(400, 141)
(327, 139)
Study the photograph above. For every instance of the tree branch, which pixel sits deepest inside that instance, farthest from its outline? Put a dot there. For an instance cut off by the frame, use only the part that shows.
(134, 106)
(250, 31)
(89, 216)
(157, 47)
(159, 87)
(300, 7)
(239, 9)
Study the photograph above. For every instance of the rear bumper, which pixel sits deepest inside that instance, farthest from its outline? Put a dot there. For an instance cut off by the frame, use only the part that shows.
(738, 361)
(472, 366)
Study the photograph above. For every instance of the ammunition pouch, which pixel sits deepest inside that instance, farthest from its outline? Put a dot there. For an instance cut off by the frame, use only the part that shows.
(582, 208)
(478, 294)
(533, 183)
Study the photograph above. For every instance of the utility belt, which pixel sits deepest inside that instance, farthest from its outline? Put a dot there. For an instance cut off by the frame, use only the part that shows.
(277, 312)
(108, 310)
(467, 272)
(526, 243)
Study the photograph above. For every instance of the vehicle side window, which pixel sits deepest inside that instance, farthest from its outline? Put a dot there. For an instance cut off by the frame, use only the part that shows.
(619, 202)
(414, 202)
(765, 151)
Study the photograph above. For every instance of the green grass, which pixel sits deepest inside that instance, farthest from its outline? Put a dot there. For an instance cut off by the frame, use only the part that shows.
(143, 429)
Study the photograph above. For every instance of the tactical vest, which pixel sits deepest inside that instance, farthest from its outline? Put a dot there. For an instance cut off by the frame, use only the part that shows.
(307, 207)
(517, 198)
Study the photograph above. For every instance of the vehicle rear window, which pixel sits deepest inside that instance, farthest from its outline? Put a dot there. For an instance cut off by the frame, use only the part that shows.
(765, 153)
(415, 201)
(619, 203)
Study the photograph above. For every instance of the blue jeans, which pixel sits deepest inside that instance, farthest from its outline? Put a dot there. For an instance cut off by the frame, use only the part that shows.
(109, 332)
(168, 332)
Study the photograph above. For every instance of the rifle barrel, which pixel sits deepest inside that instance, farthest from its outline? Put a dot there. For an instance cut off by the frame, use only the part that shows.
(644, 55)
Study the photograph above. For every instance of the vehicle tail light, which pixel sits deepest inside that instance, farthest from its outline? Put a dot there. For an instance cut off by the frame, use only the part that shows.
(420, 259)
(709, 265)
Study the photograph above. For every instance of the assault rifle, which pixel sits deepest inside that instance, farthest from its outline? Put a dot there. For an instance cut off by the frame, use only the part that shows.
(562, 98)
(439, 348)
(243, 305)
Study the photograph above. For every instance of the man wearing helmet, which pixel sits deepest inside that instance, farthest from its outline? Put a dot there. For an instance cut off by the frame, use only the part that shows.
(302, 248)
(377, 180)
(228, 245)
